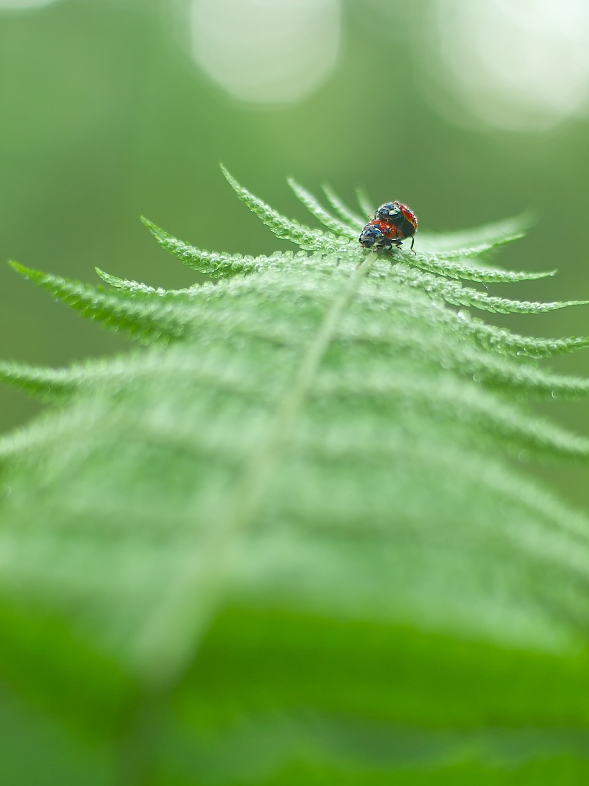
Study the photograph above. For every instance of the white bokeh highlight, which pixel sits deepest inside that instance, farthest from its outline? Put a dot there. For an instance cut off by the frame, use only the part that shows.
(266, 51)
(519, 65)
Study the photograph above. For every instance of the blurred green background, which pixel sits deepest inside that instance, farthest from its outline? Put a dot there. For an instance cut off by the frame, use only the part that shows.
(469, 112)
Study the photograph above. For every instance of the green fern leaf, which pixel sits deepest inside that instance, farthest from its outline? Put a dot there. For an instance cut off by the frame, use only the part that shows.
(312, 455)
(314, 207)
(454, 293)
(116, 310)
(490, 234)
(285, 228)
(211, 264)
(126, 285)
(365, 203)
(445, 264)
(348, 216)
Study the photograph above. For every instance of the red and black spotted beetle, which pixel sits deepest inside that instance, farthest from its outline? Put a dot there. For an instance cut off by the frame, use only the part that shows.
(393, 222)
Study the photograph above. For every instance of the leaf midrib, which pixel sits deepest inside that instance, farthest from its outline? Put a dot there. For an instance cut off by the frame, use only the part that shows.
(160, 655)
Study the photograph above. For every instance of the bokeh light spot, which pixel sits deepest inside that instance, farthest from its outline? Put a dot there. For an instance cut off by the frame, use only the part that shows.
(266, 51)
(520, 65)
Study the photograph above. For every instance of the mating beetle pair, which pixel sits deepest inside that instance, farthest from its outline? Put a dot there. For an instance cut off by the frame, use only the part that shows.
(392, 223)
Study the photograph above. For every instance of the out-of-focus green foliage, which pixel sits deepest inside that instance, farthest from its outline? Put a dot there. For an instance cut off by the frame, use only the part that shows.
(282, 544)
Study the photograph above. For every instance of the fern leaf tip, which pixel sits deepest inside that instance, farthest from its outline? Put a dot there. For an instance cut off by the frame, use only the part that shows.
(25, 272)
(227, 174)
(156, 231)
(104, 275)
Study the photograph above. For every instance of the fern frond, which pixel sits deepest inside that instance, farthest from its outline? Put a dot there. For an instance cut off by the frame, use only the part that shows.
(503, 340)
(212, 264)
(46, 383)
(127, 285)
(64, 383)
(364, 202)
(115, 310)
(462, 400)
(285, 228)
(486, 362)
(445, 264)
(461, 323)
(458, 295)
(314, 207)
(489, 234)
(323, 439)
(345, 213)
